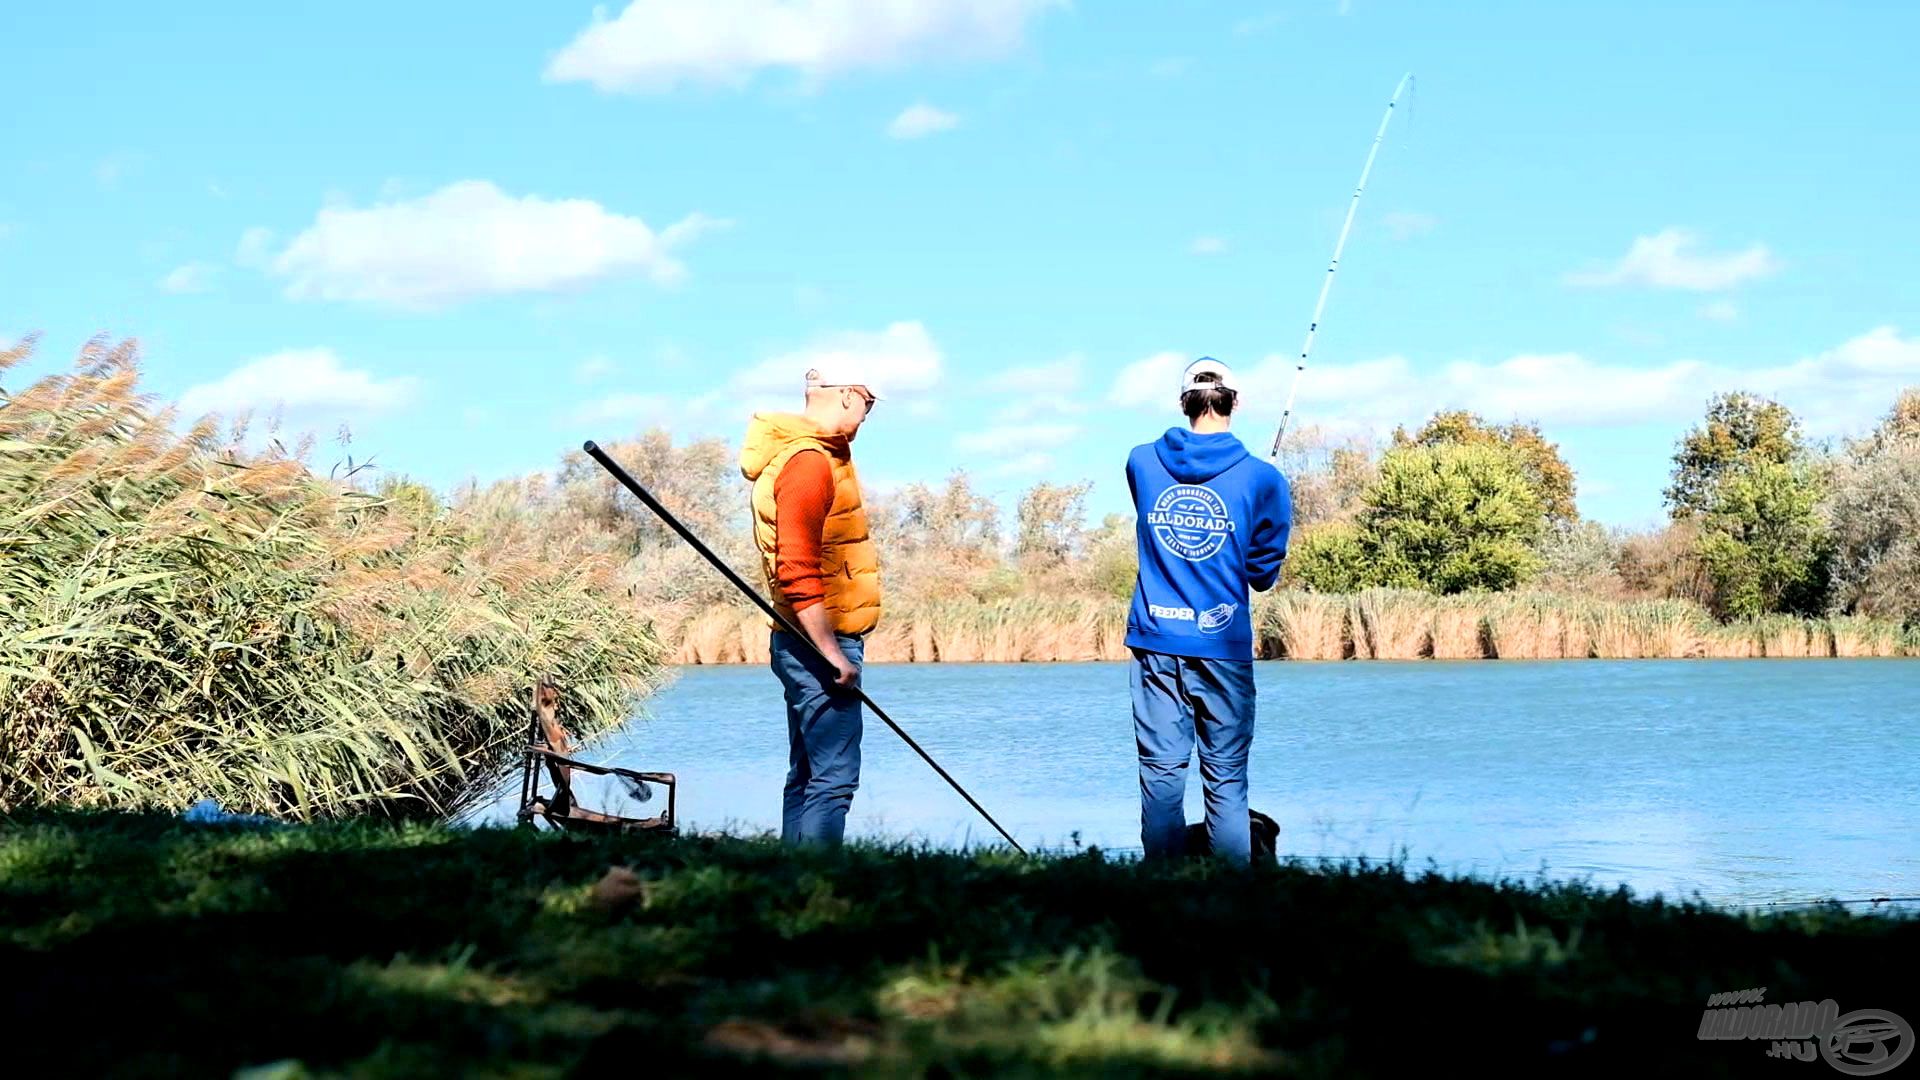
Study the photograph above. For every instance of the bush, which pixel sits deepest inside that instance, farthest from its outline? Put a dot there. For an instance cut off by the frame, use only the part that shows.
(1665, 565)
(1331, 558)
(1452, 518)
(1548, 473)
(1580, 556)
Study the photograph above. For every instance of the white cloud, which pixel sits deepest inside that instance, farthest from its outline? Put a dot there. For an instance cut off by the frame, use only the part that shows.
(594, 368)
(310, 383)
(1407, 224)
(1207, 245)
(194, 277)
(920, 120)
(1168, 67)
(255, 249)
(655, 46)
(1040, 390)
(1152, 381)
(1344, 7)
(1010, 440)
(1721, 311)
(904, 360)
(1667, 260)
(467, 240)
(1836, 391)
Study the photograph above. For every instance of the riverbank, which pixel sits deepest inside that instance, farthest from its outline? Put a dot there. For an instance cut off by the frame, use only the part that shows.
(1380, 624)
(422, 951)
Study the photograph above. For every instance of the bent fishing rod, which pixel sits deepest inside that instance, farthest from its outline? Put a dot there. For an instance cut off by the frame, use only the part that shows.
(1326, 283)
(606, 462)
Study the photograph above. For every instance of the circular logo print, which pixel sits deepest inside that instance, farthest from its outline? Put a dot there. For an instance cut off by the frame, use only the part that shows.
(1858, 1046)
(1190, 521)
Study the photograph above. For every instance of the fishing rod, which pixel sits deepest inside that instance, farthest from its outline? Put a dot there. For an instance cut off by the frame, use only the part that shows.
(606, 462)
(1326, 283)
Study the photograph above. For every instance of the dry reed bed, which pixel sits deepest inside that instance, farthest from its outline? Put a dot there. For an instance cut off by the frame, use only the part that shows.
(1379, 624)
(179, 619)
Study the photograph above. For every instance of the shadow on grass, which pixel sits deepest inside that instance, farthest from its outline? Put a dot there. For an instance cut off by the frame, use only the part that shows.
(379, 949)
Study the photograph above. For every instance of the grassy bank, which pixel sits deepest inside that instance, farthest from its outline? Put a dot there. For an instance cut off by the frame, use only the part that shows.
(187, 612)
(413, 950)
(1380, 624)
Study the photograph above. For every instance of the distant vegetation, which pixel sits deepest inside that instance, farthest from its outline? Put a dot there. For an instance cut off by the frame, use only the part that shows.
(1457, 540)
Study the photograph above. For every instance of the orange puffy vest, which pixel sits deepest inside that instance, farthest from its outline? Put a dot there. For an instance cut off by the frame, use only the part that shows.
(849, 563)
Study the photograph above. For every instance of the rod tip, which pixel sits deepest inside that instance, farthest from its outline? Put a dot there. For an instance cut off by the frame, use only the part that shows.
(589, 446)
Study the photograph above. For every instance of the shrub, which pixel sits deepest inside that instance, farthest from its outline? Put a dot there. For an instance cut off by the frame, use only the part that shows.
(1580, 556)
(1548, 473)
(1451, 519)
(1329, 559)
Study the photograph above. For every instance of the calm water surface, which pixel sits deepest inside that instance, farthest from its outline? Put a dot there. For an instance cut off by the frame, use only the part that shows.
(1744, 781)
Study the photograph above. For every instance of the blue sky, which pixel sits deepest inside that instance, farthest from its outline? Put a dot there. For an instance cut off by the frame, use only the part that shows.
(481, 234)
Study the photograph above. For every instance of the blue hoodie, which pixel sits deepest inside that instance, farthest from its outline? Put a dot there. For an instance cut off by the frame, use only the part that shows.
(1211, 521)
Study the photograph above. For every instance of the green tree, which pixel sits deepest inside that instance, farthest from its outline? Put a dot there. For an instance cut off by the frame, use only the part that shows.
(1452, 518)
(1549, 473)
(1765, 542)
(1740, 430)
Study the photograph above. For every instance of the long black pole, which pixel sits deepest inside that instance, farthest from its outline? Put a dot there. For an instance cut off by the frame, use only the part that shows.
(606, 462)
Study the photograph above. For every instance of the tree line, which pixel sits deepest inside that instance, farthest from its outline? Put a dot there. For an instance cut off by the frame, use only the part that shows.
(1761, 519)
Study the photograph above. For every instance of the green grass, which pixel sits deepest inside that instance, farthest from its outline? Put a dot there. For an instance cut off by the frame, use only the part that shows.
(417, 950)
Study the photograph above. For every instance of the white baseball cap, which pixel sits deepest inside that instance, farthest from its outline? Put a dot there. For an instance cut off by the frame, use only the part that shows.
(1207, 365)
(830, 371)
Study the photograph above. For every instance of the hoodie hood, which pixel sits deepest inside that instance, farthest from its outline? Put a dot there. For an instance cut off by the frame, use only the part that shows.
(1196, 459)
(770, 433)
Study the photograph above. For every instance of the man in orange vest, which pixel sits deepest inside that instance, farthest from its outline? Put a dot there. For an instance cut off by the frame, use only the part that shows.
(823, 574)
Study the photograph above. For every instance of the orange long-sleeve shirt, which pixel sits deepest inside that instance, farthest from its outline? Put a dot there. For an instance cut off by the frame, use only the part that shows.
(802, 495)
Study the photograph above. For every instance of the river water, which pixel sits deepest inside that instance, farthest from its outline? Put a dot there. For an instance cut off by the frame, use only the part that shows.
(1742, 781)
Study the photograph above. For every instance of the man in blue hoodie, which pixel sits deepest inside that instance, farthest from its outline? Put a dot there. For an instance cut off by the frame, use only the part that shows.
(1212, 522)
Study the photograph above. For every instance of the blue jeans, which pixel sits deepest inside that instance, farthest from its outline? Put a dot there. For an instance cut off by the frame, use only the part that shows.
(1176, 698)
(823, 741)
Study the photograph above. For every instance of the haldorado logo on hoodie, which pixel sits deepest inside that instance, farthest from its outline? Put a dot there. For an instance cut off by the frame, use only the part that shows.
(1191, 522)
